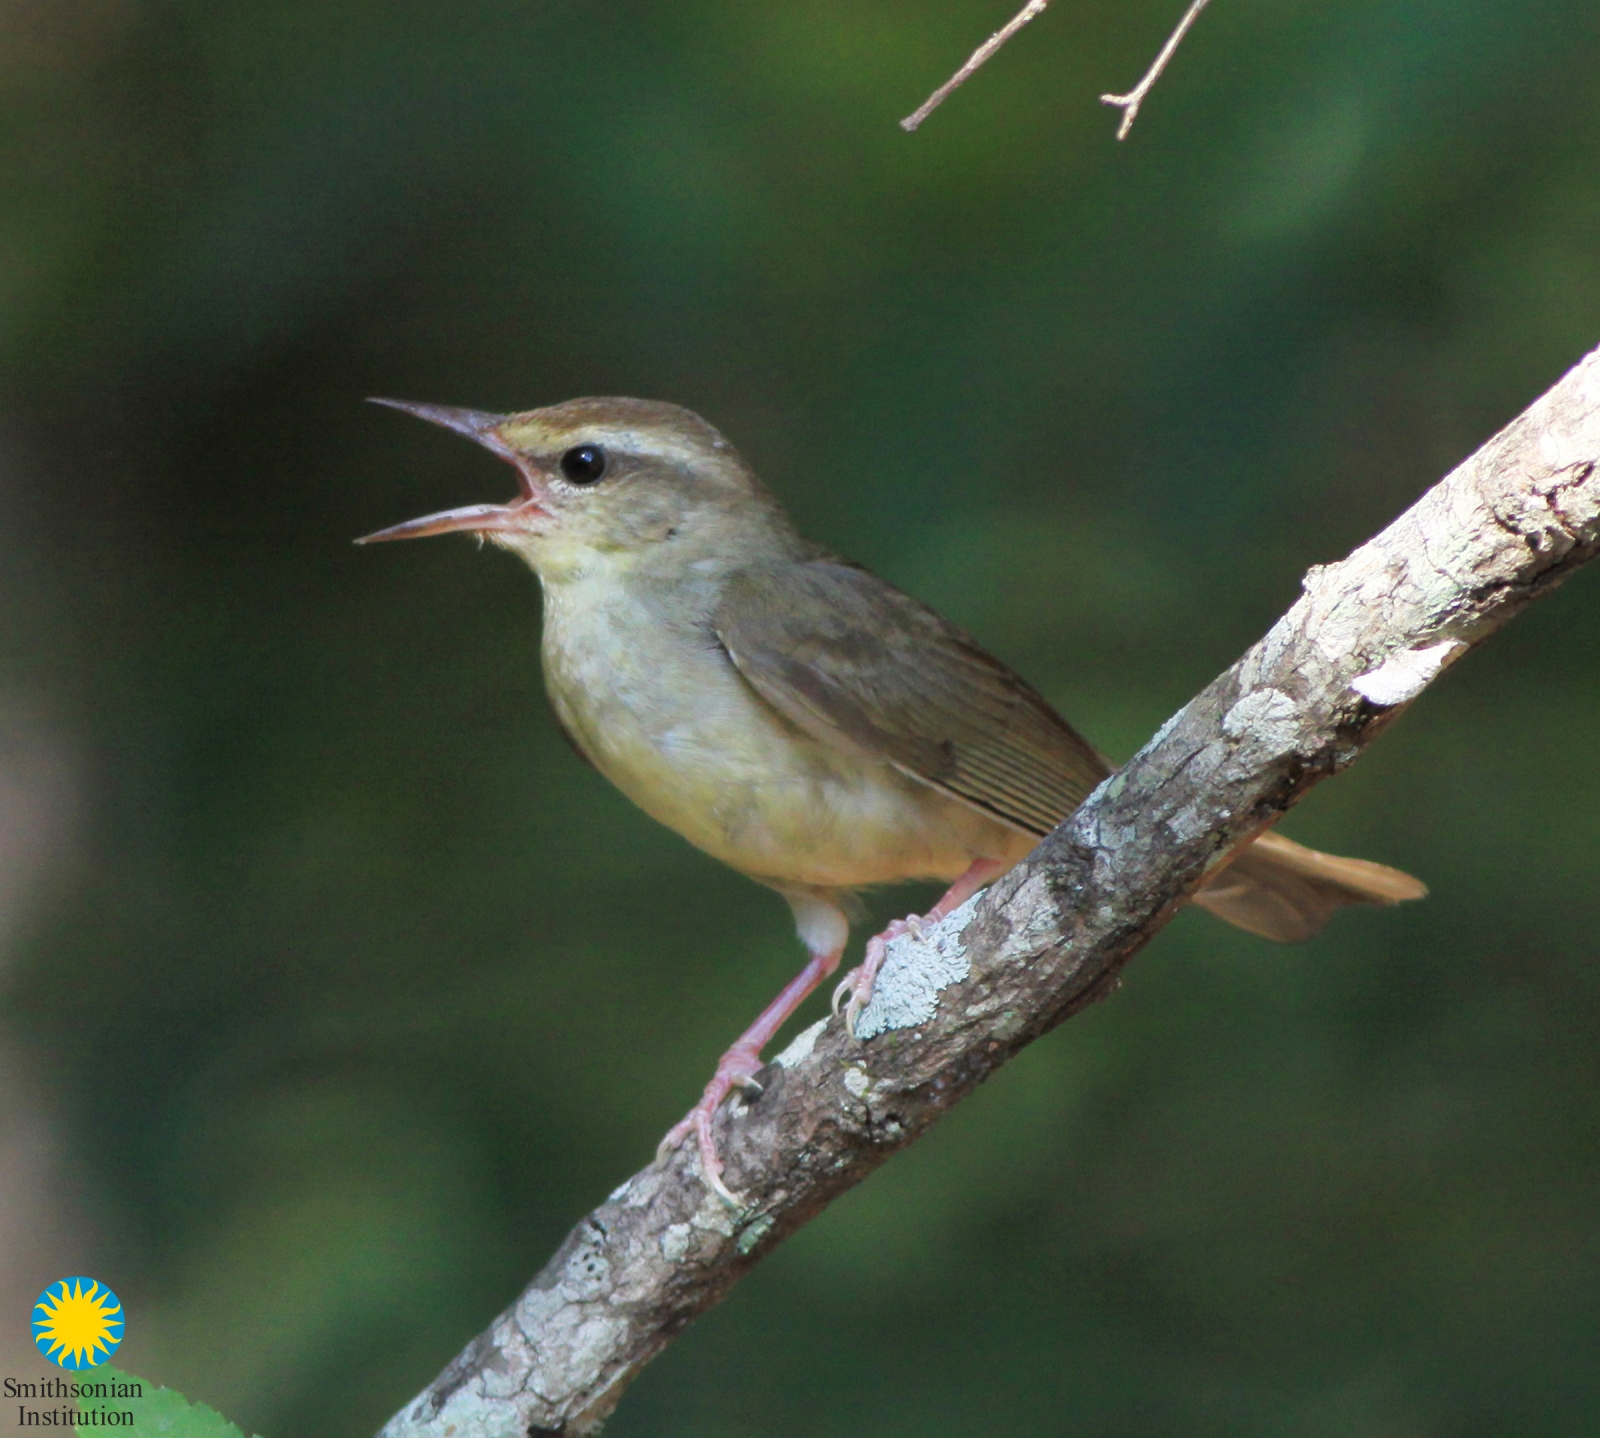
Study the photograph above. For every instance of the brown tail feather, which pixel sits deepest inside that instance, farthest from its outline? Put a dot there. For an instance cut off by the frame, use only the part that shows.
(1282, 890)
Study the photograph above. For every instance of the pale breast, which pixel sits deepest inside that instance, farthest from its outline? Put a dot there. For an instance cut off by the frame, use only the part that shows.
(651, 697)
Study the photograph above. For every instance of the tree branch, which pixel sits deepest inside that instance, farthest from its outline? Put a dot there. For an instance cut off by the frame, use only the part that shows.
(978, 57)
(1362, 641)
(1129, 103)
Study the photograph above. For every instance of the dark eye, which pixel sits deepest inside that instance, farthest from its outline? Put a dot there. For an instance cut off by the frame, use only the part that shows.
(584, 463)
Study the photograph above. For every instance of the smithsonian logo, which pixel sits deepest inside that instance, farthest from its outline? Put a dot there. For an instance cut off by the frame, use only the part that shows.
(77, 1324)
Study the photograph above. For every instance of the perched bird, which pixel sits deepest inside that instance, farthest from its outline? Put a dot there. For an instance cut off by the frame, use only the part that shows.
(788, 711)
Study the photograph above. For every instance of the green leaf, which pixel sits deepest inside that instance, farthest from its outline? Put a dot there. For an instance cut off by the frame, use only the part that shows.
(155, 1410)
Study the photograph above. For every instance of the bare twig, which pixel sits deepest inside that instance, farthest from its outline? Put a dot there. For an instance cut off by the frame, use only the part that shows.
(1364, 639)
(977, 58)
(1130, 102)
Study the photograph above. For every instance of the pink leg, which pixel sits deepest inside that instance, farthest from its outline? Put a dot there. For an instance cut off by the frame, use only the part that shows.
(859, 981)
(737, 1068)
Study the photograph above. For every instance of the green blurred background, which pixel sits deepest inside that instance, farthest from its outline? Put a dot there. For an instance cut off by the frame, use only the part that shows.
(336, 989)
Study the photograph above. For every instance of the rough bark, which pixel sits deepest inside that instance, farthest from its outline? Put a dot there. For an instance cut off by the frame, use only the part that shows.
(1364, 639)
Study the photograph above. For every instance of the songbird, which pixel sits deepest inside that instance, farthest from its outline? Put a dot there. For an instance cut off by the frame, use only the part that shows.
(789, 712)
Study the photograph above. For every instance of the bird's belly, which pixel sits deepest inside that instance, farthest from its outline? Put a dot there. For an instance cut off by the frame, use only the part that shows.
(700, 752)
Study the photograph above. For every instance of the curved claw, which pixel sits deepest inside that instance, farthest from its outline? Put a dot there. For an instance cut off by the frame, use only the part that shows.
(698, 1122)
(737, 1070)
(710, 1164)
(860, 982)
(857, 984)
(852, 1011)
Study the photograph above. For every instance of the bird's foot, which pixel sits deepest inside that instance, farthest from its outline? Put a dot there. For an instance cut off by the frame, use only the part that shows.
(859, 982)
(736, 1069)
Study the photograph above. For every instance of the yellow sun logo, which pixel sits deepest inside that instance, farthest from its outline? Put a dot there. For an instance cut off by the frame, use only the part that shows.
(77, 1322)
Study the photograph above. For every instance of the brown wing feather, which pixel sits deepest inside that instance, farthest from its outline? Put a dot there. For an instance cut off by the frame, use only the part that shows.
(860, 665)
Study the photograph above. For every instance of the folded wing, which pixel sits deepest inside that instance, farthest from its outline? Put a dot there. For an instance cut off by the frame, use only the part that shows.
(859, 665)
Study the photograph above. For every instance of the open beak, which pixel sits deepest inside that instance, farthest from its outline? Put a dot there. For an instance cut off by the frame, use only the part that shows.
(479, 518)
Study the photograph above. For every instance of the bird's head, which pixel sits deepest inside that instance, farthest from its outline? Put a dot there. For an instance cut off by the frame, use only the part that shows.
(604, 480)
